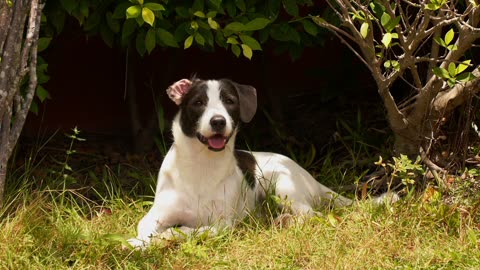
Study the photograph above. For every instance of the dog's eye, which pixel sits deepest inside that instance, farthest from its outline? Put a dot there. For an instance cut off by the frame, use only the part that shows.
(198, 103)
(229, 101)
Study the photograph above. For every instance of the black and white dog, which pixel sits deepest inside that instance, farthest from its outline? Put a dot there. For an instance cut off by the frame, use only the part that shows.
(204, 183)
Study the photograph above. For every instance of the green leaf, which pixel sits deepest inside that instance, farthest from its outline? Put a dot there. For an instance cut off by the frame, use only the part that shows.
(251, 42)
(310, 27)
(188, 42)
(221, 40)
(140, 2)
(465, 77)
(432, 6)
(449, 36)
(256, 24)
(377, 8)
(319, 20)
(387, 39)
(285, 32)
(112, 23)
(231, 8)
(213, 24)
(440, 41)
(207, 34)
(452, 47)
(148, 16)
(385, 19)
(182, 12)
(34, 107)
(43, 43)
(107, 35)
(452, 69)
(364, 29)
(247, 51)
(42, 93)
(42, 78)
(235, 27)
(236, 50)
(392, 24)
(166, 37)
(128, 28)
(69, 5)
(198, 5)
(232, 40)
(441, 72)
(241, 5)
(451, 82)
(211, 14)
(133, 11)
(216, 3)
(150, 40)
(199, 39)
(462, 66)
(194, 25)
(154, 6)
(140, 43)
(291, 7)
(199, 14)
(358, 16)
(120, 10)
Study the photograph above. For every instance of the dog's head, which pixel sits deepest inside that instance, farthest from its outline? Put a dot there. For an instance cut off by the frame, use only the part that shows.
(210, 110)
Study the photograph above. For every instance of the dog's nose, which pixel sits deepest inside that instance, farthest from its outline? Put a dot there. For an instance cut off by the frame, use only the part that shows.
(218, 123)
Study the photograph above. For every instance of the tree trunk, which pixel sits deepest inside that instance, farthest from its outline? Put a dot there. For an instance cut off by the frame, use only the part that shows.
(18, 52)
(417, 137)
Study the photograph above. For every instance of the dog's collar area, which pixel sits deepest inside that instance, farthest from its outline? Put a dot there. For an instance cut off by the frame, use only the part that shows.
(215, 143)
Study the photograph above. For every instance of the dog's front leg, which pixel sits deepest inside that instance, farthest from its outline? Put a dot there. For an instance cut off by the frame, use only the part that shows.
(148, 227)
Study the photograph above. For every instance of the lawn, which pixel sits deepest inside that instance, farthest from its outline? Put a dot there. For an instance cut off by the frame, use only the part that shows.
(73, 215)
(60, 229)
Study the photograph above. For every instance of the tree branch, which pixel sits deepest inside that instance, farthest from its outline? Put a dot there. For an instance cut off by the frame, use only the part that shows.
(448, 100)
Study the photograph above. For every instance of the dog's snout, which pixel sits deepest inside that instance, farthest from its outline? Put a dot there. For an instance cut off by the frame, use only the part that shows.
(218, 123)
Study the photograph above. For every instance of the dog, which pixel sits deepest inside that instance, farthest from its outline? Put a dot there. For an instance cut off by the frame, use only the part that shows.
(204, 183)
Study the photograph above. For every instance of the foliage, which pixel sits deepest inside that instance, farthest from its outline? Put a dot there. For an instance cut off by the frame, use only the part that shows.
(405, 169)
(241, 26)
(424, 46)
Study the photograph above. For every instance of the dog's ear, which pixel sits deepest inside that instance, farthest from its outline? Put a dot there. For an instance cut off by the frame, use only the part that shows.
(248, 101)
(177, 91)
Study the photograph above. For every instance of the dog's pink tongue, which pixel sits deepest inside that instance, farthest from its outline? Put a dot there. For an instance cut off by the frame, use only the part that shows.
(217, 142)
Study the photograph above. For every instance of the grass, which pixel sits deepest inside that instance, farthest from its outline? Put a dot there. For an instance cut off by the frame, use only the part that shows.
(61, 229)
(48, 224)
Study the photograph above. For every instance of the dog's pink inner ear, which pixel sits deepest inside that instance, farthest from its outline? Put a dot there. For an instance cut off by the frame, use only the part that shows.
(177, 91)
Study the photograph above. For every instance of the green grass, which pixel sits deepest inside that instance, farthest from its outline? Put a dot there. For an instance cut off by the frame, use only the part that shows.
(52, 221)
(63, 230)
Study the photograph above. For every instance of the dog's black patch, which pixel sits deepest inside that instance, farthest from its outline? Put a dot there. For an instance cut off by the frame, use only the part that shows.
(192, 107)
(246, 162)
(246, 104)
(230, 99)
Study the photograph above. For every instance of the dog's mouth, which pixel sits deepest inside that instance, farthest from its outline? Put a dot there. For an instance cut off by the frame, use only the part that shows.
(216, 142)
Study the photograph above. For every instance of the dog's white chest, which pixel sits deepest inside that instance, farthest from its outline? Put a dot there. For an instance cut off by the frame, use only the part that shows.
(200, 190)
